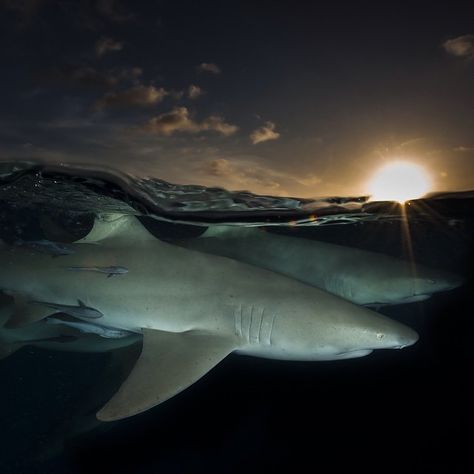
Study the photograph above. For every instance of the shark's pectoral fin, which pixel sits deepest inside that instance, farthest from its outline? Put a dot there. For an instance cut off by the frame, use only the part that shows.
(169, 363)
(25, 312)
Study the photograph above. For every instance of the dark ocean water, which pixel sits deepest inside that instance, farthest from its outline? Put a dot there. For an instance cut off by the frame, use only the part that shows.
(393, 411)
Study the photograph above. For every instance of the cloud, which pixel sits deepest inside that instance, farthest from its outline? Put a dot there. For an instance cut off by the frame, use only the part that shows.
(179, 120)
(462, 46)
(247, 173)
(209, 67)
(105, 45)
(130, 74)
(114, 11)
(238, 175)
(138, 95)
(463, 148)
(194, 91)
(264, 133)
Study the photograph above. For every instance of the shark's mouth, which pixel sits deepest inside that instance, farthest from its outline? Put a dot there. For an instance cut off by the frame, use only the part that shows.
(416, 298)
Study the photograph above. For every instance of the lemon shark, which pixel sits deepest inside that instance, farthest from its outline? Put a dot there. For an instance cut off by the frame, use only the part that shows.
(192, 308)
(360, 276)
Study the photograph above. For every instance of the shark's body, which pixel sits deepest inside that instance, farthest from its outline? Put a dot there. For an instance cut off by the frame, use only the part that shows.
(360, 276)
(192, 308)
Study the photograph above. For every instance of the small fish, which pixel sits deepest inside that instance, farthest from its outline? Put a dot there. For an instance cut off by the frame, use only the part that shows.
(80, 311)
(55, 249)
(88, 328)
(110, 271)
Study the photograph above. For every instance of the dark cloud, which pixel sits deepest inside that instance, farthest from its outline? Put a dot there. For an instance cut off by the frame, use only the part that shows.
(138, 95)
(179, 120)
(462, 46)
(264, 133)
(106, 45)
(209, 67)
(131, 74)
(194, 91)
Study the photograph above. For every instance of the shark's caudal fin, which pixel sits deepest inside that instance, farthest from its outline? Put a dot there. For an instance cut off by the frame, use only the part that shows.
(169, 363)
(116, 229)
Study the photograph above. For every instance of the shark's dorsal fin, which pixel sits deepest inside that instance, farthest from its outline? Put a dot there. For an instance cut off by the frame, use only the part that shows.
(116, 229)
(169, 363)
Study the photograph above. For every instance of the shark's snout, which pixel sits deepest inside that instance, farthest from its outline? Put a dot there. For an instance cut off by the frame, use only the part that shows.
(429, 284)
(454, 281)
(408, 338)
(396, 335)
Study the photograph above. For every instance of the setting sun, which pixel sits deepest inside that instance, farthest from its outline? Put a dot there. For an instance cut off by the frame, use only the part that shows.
(399, 181)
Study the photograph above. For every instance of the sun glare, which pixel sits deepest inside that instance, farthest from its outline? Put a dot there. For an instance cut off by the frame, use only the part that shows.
(399, 181)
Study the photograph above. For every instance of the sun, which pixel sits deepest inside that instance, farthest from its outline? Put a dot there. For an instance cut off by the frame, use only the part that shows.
(399, 181)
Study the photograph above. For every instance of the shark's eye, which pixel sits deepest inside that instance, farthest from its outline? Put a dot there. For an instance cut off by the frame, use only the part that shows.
(380, 335)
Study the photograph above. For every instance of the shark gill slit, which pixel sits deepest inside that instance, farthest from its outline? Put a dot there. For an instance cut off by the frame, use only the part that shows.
(250, 324)
(253, 324)
(262, 315)
(238, 320)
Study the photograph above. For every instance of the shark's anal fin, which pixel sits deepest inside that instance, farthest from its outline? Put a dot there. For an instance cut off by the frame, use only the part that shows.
(169, 363)
(25, 312)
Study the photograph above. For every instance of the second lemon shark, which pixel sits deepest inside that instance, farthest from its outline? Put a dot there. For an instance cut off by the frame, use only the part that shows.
(360, 276)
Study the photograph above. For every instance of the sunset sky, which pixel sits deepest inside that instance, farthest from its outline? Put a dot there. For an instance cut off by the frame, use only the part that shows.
(277, 97)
